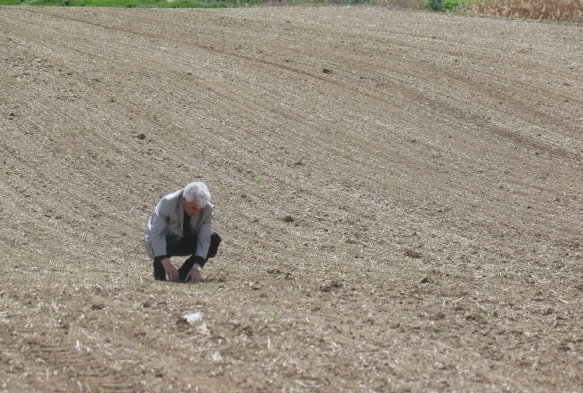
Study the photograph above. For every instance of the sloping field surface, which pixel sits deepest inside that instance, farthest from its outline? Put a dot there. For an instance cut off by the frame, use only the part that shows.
(399, 195)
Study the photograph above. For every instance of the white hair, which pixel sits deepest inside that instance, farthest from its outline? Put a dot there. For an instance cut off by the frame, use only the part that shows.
(197, 192)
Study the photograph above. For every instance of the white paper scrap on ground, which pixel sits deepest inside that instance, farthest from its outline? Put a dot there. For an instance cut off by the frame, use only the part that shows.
(192, 318)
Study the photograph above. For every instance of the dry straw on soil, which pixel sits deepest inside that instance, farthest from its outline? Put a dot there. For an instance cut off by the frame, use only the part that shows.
(552, 10)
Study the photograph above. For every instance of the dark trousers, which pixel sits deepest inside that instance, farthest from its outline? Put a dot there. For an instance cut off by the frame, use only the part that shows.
(183, 247)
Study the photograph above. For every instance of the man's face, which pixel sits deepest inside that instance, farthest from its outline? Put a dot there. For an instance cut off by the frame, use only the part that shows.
(191, 208)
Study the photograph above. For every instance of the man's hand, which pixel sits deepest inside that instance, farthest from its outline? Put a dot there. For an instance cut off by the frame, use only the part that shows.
(171, 271)
(194, 275)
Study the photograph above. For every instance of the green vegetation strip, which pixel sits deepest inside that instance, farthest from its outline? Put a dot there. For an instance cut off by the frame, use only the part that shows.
(450, 5)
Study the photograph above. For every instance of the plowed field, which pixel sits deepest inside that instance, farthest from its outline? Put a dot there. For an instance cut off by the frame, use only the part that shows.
(398, 193)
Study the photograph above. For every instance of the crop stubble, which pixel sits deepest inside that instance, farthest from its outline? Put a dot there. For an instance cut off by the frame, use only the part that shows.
(398, 193)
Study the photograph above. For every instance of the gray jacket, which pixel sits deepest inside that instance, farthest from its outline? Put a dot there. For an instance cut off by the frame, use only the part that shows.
(167, 220)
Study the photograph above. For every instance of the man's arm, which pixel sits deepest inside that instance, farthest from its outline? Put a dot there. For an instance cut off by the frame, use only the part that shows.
(203, 242)
(155, 231)
(202, 247)
(155, 234)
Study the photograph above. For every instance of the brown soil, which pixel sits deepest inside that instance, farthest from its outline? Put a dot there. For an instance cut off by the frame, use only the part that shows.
(399, 195)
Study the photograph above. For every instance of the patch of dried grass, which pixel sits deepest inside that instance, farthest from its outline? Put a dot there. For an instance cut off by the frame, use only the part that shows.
(551, 10)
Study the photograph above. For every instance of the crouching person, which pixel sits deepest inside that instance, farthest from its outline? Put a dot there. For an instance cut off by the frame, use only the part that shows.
(181, 226)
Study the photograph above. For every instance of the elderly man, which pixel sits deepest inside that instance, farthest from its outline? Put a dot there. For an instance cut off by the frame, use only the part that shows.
(181, 226)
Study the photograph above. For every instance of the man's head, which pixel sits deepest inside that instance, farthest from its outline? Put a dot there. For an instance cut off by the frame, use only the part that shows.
(195, 197)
